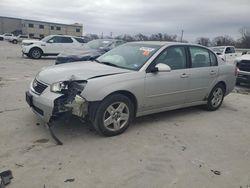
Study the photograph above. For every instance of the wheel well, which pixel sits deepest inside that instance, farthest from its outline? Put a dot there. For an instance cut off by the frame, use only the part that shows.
(224, 85)
(36, 48)
(130, 95)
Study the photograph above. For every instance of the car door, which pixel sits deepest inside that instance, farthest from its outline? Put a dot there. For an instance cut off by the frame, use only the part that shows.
(230, 54)
(202, 73)
(58, 44)
(166, 89)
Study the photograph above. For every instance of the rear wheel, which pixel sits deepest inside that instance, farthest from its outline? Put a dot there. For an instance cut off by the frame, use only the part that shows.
(114, 115)
(35, 53)
(14, 41)
(216, 97)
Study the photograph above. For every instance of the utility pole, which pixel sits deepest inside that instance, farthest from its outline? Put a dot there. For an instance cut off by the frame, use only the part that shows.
(182, 32)
(102, 35)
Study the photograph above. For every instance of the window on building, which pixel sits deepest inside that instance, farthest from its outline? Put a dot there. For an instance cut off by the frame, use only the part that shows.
(58, 28)
(78, 30)
(52, 27)
(31, 35)
(31, 25)
(41, 36)
(41, 26)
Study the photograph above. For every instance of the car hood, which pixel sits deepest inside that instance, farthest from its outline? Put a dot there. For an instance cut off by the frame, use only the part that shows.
(244, 57)
(77, 53)
(32, 41)
(77, 71)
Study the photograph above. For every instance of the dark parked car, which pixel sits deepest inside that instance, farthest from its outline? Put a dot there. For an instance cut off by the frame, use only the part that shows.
(91, 51)
(243, 64)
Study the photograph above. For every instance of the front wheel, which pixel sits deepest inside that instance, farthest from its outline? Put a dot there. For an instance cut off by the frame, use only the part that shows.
(35, 53)
(215, 98)
(114, 115)
(14, 41)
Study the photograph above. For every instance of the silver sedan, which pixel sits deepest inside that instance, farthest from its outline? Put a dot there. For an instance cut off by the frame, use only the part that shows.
(132, 80)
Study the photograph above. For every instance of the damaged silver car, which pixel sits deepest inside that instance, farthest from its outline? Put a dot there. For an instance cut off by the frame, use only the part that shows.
(132, 80)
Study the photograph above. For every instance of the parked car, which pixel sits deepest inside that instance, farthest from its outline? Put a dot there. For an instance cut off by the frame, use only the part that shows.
(19, 38)
(132, 80)
(92, 50)
(227, 53)
(51, 45)
(6, 36)
(243, 64)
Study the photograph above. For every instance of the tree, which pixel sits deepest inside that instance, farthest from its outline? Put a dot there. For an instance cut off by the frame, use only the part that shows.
(140, 37)
(203, 41)
(167, 37)
(244, 41)
(223, 41)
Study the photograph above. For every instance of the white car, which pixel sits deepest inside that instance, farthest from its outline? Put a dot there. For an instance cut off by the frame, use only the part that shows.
(51, 45)
(6, 36)
(227, 53)
(19, 38)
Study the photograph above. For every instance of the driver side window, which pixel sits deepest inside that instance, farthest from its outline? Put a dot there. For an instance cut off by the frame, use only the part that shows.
(174, 57)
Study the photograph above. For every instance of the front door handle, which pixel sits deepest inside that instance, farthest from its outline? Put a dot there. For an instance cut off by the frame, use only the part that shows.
(184, 75)
(212, 72)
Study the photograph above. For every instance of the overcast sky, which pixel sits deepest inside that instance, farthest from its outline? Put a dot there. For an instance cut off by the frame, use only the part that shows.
(196, 17)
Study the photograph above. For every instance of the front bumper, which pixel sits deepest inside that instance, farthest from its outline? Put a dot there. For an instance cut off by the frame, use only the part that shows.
(48, 105)
(243, 77)
(43, 104)
(25, 49)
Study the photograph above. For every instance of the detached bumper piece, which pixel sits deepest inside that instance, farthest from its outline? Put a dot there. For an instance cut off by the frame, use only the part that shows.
(5, 178)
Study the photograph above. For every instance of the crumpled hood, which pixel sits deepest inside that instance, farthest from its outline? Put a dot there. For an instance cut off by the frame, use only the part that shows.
(77, 71)
(77, 52)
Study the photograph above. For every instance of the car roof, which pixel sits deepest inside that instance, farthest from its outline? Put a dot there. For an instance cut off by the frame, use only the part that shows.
(167, 43)
(64, 36)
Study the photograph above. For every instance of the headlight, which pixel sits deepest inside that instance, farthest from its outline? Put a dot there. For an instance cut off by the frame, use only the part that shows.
(75, 86)
(59, 86)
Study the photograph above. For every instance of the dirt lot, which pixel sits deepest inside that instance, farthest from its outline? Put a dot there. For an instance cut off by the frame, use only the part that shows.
(182, 148)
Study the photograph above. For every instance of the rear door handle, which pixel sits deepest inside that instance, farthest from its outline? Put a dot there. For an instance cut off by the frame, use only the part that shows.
(184, 75)
(212, 72)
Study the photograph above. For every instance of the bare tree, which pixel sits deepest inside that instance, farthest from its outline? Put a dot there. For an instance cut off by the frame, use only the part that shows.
(223, 41)
(167, 37)
(244, 41)
(203, 41)
(140, 37)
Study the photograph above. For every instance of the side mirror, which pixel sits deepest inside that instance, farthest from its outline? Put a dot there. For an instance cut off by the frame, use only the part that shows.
(161, 68)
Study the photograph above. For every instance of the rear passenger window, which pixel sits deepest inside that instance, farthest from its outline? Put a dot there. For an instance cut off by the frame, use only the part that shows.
(199, 57)
(80, 40)
(213, 59)
(66, 40)
(174, 57)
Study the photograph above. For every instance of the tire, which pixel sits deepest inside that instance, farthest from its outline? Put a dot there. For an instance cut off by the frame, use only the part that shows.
(215, 98)
(14, 41)
(35, 53)
(114, 115)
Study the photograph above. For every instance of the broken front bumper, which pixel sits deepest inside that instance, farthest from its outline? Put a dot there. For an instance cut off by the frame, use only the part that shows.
(50, 105)
(43, 104)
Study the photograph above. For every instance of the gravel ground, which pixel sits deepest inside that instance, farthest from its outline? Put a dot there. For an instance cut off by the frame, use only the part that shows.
(182, 148)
